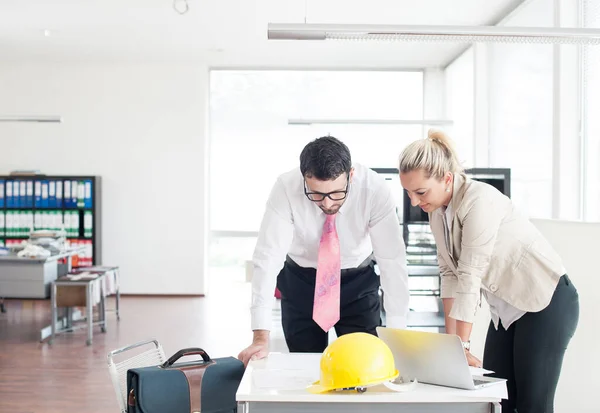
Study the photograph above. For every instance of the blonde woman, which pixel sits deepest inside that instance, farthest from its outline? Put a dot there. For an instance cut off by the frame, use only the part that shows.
(487, 248)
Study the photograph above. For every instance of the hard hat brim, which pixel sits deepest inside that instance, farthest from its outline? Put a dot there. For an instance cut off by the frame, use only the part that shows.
(316, 388)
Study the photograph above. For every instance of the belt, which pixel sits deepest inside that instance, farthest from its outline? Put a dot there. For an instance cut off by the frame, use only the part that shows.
(346, 271)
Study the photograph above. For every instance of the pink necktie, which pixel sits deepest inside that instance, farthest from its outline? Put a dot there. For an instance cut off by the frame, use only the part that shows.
(326, 309)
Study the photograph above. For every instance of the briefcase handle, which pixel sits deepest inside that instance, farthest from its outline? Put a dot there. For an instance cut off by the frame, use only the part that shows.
(186, 352)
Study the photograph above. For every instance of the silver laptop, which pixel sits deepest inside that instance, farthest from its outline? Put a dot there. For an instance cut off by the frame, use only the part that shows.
(432, 358)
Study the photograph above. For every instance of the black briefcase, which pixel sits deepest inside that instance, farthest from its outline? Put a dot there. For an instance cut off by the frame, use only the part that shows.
(206, 386)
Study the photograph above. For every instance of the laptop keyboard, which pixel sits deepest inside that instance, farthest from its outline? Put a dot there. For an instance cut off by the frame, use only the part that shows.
(479, 382)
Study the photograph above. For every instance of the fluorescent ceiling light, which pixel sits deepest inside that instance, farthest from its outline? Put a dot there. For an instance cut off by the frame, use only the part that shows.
(457, 34)
(430, 122)
(42, 119)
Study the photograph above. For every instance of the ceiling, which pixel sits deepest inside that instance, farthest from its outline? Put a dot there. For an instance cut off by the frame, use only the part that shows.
(228, 32)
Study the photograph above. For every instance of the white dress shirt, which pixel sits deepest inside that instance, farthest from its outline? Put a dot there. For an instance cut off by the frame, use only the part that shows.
(366, 223)
(500, 310)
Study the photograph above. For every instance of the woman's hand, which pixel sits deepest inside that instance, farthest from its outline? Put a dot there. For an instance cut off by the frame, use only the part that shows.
(473, 361)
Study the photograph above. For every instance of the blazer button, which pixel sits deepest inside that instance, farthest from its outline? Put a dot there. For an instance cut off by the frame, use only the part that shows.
(493, 288)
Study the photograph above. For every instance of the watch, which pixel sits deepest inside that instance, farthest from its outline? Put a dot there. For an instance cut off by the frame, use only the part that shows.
(466, 345)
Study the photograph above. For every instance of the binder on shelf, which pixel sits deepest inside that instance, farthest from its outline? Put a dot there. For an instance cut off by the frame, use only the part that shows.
(2, 183)
(51, 194)
(38, 220)
(59, 194)
(2, 230)
(17, 231)
(29, 196)
(10, 201)
(74, 193)
(23, 194)
(16, 196)
(74, 223)
(88, 194)
(80, 194)
(19, 223)
(67, 194)
(8, 223)
(44, 194)
(88, 224)
(29, 222)
(37, 194)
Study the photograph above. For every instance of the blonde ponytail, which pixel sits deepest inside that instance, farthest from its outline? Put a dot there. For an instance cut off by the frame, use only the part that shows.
(435, 155)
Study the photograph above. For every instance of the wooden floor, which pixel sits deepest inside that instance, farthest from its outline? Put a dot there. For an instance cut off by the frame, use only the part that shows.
(69, 376)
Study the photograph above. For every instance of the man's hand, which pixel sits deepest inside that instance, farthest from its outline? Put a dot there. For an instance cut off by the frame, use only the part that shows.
(258, 349)
(473, 361)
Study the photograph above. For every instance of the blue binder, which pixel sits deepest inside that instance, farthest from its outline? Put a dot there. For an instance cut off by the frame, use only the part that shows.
(67, 194)
(16, 195)
(2, 184)
(59, 194)
(44, 194)
(74, 193)
(10, 201)
(23, 194)
(29, 197)
(51, 194)
(38, 194)
(88, 193)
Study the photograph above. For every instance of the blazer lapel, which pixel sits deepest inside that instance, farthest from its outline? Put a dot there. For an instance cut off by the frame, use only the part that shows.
(437, 227)
(458, 191)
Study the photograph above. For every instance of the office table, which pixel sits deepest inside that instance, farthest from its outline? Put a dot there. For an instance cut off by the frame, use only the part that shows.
(24, 277)
(91, 284)
(278, 384)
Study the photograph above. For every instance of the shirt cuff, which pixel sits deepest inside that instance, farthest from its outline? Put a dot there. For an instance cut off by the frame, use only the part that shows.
(261, 318)
(449, 284)
(465, 307)
(396, 321)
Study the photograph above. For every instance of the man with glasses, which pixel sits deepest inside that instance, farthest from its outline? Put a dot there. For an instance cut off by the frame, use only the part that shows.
(325, 224)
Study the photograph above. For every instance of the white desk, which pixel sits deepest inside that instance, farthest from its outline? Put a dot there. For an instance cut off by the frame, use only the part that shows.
(25, 277)
(277, 384)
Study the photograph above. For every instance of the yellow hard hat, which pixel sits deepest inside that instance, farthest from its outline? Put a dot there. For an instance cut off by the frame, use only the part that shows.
(355, 360)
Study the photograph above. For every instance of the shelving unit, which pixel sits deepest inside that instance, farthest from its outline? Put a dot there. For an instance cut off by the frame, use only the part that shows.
(53, 202)
(426, 312)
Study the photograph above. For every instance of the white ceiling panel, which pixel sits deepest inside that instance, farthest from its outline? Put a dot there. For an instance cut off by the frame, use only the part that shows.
(227, 32)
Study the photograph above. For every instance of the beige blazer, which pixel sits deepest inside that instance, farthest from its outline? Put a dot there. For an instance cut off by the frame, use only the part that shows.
(492, 247)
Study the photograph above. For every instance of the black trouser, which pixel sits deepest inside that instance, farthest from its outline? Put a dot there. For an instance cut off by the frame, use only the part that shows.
(530, 353)
(360, 308)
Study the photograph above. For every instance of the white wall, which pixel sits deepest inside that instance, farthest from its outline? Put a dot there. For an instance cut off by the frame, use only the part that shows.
(577, 243)
(141, 127)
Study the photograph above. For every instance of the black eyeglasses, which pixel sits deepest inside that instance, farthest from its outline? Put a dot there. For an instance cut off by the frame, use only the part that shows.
(334, 196)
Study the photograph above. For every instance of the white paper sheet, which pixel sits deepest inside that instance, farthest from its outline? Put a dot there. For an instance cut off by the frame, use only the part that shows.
(282, 379)
(478, 371)
(295, 361)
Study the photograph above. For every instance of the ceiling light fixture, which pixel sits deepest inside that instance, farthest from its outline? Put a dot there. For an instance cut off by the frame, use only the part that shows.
(456, 34)
(39, 119)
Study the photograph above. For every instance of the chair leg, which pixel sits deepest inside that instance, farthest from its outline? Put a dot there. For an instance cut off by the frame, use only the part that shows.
(2, 306)
(118, 296)
(90, 313)
(103, 307)
(54, 312)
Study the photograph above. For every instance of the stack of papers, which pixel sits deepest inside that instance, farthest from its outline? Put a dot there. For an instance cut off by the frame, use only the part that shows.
(83, 276)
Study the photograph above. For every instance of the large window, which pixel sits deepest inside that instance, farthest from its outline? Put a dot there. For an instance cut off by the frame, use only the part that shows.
(460, 105)
(591, 120)
(252, 143)
(521, 112)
